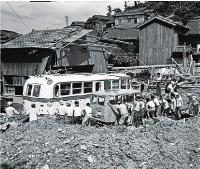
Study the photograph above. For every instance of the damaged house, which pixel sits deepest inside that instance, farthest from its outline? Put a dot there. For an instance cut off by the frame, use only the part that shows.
(44, 51)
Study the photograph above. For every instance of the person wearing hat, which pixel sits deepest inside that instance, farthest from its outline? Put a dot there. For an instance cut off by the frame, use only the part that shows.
(77, 113)
(69, 113)
(50, 109)
(61, 112)
(10, 112)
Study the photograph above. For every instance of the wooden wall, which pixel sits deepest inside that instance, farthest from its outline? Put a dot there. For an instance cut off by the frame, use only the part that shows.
(76, 55)
(156, 42)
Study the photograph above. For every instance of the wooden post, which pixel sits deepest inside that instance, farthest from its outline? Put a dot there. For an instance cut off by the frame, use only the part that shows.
(184, 58)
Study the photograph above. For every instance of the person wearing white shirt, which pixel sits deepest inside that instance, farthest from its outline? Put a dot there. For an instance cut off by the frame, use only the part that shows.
(10, 112)
(157, 106)
(88, 114)
(165, 106)
(173, 106)
(33, 113)
(69, 113)
(50, 109)
(150, 107)
(77, 113)
(61, 112)
(179, 103)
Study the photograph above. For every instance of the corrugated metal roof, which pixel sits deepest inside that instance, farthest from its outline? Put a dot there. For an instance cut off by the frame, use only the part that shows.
(163, 19)
(194, 26)
(54, 38)
(122, 34)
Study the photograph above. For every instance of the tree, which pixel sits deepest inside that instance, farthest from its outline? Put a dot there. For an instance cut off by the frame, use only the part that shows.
(117, 10)
(109, 10)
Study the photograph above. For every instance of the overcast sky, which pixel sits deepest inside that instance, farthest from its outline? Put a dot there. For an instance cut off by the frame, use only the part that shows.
(51, 15)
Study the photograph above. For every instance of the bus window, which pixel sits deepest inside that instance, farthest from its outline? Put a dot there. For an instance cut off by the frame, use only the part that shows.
(56, 92)
(94, 100)
(65, 89)
(128, 84)
(98, 85)
(36, 90)
(112, 100)
(115, 84)
(87, 87)
(29, 89)
(123, 84)
(77, 88)
(101, 100)
(107, 85)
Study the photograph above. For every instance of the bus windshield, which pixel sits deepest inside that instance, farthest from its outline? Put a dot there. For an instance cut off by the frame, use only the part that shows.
(36, 90)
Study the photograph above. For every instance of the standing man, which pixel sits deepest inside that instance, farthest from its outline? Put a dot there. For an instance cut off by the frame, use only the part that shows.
(173, 106)
(150, 107)
(50, 109)
(157, 106)
(165, 107)
(77, 113)
(69, 113)
(158, 84)
(61, 112)
(33, 113)
(179, 103)
(11, 112)
(88, 114)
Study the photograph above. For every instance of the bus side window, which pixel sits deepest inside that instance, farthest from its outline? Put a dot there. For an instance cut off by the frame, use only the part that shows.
(115, 84)
(28, 91)
(65, 89)
(107, 85)
(123, 84)
(77, 87)
(87, 87)
(56, 91)
(97, 86)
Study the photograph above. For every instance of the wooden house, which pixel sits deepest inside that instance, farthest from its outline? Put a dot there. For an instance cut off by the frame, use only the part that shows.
(158, 38)
(192, 37)
(41, 51)
(132, 17)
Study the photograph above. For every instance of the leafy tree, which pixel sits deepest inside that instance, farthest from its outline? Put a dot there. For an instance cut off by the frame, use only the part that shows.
(109, 10)
(117, 10)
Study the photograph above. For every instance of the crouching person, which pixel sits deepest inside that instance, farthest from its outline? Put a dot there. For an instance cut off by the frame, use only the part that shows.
(88, 114)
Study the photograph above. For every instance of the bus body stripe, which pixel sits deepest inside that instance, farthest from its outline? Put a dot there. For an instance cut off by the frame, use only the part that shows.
(45, 100)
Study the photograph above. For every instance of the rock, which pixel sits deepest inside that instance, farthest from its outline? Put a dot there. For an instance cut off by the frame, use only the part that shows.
(66, 142)
(45, 167)
(91, 159)
(83, 147)
(59, 129)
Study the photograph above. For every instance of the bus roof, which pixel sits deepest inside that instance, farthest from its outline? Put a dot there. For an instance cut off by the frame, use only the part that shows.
(116, 92)
(79, 77)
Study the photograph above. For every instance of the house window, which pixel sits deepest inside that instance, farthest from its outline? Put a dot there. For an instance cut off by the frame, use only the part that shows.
(10, 90)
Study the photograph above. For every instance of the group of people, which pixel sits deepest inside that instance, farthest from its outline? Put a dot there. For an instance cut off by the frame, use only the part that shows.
(64, 113)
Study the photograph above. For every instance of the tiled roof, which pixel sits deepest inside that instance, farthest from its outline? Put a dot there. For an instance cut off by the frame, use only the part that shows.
(78, 23)
(100, 17)
(7, 36)
(163, 19)
(54, 38)
(122, 34)
(194, 26)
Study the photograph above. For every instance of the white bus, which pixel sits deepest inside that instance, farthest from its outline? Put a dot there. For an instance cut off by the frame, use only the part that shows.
(42, 89)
